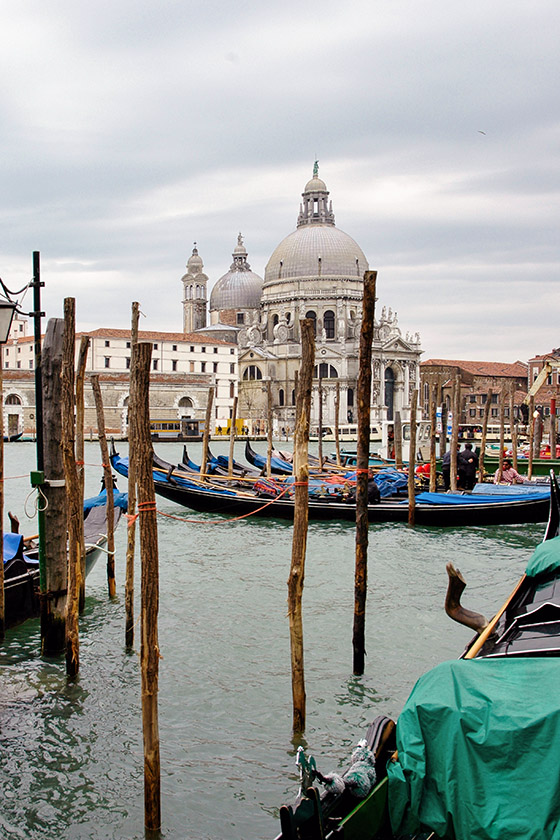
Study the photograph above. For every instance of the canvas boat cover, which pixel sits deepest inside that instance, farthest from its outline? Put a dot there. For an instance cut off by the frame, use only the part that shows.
(478, 751)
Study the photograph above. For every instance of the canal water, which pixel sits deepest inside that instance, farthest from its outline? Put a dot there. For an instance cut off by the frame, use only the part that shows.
(71, 751)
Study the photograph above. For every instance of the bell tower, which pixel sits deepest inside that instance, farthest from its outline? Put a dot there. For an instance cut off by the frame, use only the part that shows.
(195, 294)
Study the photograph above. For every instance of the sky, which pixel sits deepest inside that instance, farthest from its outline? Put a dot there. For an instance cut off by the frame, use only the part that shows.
(130, 130)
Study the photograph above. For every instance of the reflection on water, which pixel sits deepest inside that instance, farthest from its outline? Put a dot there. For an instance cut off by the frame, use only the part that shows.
(71, 752)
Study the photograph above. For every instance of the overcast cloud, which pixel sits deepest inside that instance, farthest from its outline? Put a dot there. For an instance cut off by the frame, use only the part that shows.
(128, 130)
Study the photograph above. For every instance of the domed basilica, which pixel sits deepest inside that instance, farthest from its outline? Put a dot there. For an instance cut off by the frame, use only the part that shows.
(315, 272)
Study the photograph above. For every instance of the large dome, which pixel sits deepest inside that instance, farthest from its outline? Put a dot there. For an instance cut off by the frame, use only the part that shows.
(316, 251)
(240, 288)
(317, 248)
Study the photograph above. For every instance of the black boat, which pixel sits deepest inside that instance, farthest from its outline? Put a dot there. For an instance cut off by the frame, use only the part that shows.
(12, 438)
(473, 754)
(275, 500)
(21, 563)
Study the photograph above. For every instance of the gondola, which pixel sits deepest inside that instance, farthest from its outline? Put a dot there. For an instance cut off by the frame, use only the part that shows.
(473, 754)
(12, 438)
(21, 560)
(277, 465)
(435, 509)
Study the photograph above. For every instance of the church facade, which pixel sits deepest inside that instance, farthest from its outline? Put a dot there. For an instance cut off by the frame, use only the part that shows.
(315, 272)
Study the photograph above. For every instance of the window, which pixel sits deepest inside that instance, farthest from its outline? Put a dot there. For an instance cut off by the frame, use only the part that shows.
(215, 349)
(191, 367)
(232, 368)
(472, 412)
(494, 412)
(281, 396)
(231, 351)
(494, 399)
(350, 397)
(215, 367)
(30, 365)
(173, 364)
(313, 316)
(128, 345)
(203, 367)
(252, 372)
(13, 399)
(174, 348)
(19, 351)
(127, 362)
(293, 397)
(192, 348)
(107, 343)
(328, 323)
(240, 318)
(325, 371)
(472, 398)
(231, 390)
(107, 361)
(155, 364)
(203, 349)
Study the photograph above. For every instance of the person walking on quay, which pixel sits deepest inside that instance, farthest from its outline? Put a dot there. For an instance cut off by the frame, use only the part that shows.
(467, 465)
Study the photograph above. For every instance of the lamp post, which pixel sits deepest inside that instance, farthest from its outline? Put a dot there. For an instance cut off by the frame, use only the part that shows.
(7, 309)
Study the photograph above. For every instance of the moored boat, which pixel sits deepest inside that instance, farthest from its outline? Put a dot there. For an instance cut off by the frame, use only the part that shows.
(21, 560)
(474, 754)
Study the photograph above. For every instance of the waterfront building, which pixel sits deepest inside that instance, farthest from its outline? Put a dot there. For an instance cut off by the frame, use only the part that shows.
(184, 367)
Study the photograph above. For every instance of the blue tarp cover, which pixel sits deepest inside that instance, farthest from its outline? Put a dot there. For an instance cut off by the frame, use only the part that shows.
(474, 499)
(478, 751)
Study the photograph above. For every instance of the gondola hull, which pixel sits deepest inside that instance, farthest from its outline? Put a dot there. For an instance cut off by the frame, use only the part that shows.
(508, 512)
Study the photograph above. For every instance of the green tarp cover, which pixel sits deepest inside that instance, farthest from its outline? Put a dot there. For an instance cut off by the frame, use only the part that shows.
(545, 558)
(479, 752)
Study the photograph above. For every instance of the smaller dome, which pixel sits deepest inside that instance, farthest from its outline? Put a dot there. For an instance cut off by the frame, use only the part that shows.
(315, 185)
(240, 288)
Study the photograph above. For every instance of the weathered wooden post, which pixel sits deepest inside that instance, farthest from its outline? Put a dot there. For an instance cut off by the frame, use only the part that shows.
(320, 429)
(80, 414)
(456, 402)
(206, 434)
(301, 514)
(336, 423)
(269, 429)
(362, 469)
(132, 471)
(53, 598)
(232, 435)
(538, 435)
(412, 461)
(108, 476)
(483, 436)
(552, 428)
(531, 436)
(397, 440)
(149, 648)
(513, 427)
(444, 424)
(433, 436)
(74, 501)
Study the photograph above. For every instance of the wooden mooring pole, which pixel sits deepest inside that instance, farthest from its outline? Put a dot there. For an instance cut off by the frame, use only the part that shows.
(531, 436)
(483, 436)
(108, 476)
(301, 516)
(397, 441)
(513, 428)
(232, 435)
(412, 460)
(53, 598)
(132, 448)
(362, 459)
(80, 414)
(320, 428)
(2, 600)
(149, 648)
(206, 434)
(269, 428)
(336, 423)
(433, 436)
(74, 501)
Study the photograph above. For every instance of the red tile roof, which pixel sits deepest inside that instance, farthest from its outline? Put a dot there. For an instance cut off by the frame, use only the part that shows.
(481, 368)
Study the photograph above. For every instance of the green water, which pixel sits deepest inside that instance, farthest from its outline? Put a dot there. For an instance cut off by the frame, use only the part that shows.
(71, 760)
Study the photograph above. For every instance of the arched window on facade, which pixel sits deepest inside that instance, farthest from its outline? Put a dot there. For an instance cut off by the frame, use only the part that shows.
(13, 399)
(252, 372)
(294, 397)
(328, 323)
(313, 316)
(185, 406)
(325, 371)
(389, 391)
(281, 396)
(350, 398)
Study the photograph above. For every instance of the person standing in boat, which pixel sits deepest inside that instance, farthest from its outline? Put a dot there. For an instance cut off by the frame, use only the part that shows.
(507, 475)
(467, 465)
(446, 466)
